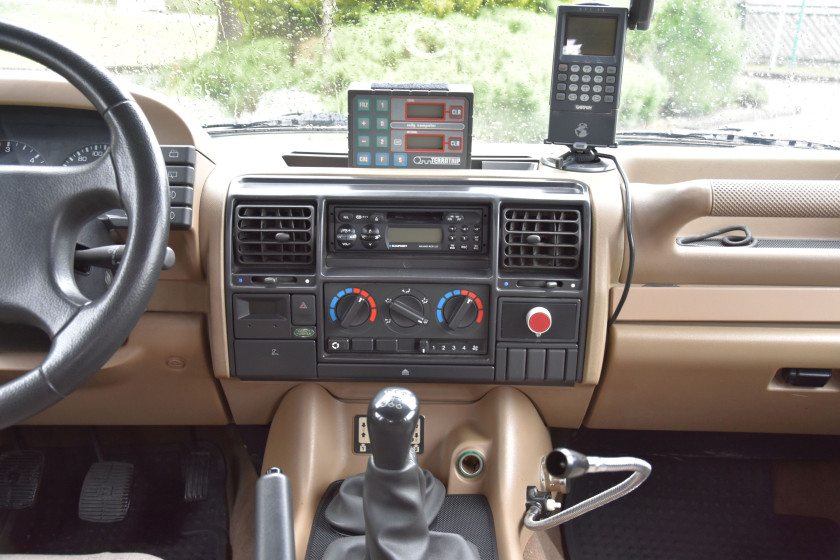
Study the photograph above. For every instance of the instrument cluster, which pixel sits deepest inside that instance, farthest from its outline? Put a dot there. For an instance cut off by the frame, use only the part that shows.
(51, 136)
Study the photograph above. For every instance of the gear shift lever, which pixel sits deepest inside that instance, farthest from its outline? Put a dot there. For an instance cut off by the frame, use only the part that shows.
(392, 415)
(394, 493)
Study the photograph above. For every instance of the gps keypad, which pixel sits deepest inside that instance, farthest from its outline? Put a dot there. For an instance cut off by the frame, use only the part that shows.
(586, 83)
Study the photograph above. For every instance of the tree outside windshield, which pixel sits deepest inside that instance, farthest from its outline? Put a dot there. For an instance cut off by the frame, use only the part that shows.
(765, 66)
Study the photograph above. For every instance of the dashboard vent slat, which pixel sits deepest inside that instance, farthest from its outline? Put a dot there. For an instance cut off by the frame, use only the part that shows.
(274, 235)
(541, 239)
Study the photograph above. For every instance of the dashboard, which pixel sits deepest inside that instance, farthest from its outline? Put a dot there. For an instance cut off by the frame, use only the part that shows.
(301, 286)
(291, 268)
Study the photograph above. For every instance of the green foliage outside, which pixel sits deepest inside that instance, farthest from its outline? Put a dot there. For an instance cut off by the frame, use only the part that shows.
(486, 52)
(686, 64)
(696, 45)
(298, 19)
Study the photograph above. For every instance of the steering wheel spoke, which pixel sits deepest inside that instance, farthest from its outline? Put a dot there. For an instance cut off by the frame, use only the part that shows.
(43, 210)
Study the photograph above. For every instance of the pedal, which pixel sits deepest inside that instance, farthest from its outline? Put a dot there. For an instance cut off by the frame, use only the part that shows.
(106, 492)
(197, 476)
(20, 478)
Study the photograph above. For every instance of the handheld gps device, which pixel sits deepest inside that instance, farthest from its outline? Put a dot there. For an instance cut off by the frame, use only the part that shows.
(586, 76)
(411, 125)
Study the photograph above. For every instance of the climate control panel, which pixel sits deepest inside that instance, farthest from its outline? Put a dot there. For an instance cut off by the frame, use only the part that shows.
(394, 318)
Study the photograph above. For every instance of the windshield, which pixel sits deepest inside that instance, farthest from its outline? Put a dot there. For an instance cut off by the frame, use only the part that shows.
(755, 67)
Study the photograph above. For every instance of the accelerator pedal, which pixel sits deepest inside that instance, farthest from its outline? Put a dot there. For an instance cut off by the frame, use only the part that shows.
(20, 478)
(197, 476)
(106, 492)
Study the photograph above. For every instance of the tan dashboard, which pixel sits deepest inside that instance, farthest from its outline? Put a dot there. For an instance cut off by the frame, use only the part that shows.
(702, 343)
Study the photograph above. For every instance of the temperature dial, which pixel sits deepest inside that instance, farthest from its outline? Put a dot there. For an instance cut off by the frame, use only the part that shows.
(352, 307)
(459, 309)
(539, 320)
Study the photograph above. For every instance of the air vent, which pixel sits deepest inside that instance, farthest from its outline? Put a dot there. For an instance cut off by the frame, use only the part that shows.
(541, 239)
(274, 236)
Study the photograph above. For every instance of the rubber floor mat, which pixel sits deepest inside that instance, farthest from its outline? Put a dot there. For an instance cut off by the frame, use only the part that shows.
(159, 521)
(695, 509)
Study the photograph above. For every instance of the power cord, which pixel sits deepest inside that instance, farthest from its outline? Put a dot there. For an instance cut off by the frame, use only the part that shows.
(728, 240)
(628, 229)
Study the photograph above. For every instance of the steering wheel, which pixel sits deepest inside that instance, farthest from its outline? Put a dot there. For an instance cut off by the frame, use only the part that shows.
(43, 209)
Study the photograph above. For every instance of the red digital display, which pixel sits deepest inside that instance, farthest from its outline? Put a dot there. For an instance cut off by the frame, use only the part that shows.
(425, 111)
(424, 142)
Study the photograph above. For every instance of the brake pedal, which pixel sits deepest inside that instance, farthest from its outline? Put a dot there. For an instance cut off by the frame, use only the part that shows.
(197, 476)
(20, 478)
(106, 492)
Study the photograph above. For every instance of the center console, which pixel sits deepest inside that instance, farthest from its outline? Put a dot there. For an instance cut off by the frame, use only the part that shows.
(431, 280)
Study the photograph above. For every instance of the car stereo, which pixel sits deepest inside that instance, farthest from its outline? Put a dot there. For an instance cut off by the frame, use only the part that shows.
(449, 230)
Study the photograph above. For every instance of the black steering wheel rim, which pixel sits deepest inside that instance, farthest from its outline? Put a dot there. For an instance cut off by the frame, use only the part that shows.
(84, 334)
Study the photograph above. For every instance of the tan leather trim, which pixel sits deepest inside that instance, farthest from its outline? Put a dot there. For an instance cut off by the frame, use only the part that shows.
(50, 90)
(502, 426)
(254, 402)
(782, 199)
(679, 163)
(212, 229)
(716, 378)
(740, 304)
(142, 383)
(661, 212)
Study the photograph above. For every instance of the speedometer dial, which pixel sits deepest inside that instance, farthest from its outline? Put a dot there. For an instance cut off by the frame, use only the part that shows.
(13, 152)
(86, 154)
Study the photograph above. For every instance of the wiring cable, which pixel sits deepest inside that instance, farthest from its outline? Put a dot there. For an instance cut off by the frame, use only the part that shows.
(628, 230)
(728, 240)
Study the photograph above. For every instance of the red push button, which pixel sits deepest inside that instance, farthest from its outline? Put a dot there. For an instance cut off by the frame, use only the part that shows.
(539, 320)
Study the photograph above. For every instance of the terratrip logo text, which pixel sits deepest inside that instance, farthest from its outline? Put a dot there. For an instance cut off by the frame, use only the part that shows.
(434, 160)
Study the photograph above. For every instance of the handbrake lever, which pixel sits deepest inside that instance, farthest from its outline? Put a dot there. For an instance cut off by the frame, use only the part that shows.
(274, 528)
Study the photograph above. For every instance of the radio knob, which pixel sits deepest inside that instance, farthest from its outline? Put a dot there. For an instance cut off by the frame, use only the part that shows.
(459, 312)
(407, 311)
(352, 311)
(539, 320)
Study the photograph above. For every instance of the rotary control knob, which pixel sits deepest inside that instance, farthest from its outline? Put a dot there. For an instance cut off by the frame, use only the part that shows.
(539, 320)
(352, 310)
(407, 311)
(459, 312)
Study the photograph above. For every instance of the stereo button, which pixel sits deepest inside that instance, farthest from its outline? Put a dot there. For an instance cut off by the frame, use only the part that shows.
(345, 236)
(370, 233)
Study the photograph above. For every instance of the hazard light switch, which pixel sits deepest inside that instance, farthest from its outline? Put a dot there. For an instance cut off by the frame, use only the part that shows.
(303, 310)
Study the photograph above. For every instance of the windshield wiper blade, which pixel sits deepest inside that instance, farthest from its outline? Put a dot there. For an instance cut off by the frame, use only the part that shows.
(738, 135)
(648, 137)
(720, 137)
(289, 121)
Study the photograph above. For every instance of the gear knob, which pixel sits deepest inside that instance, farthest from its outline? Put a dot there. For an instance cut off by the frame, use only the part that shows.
(392, 415)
